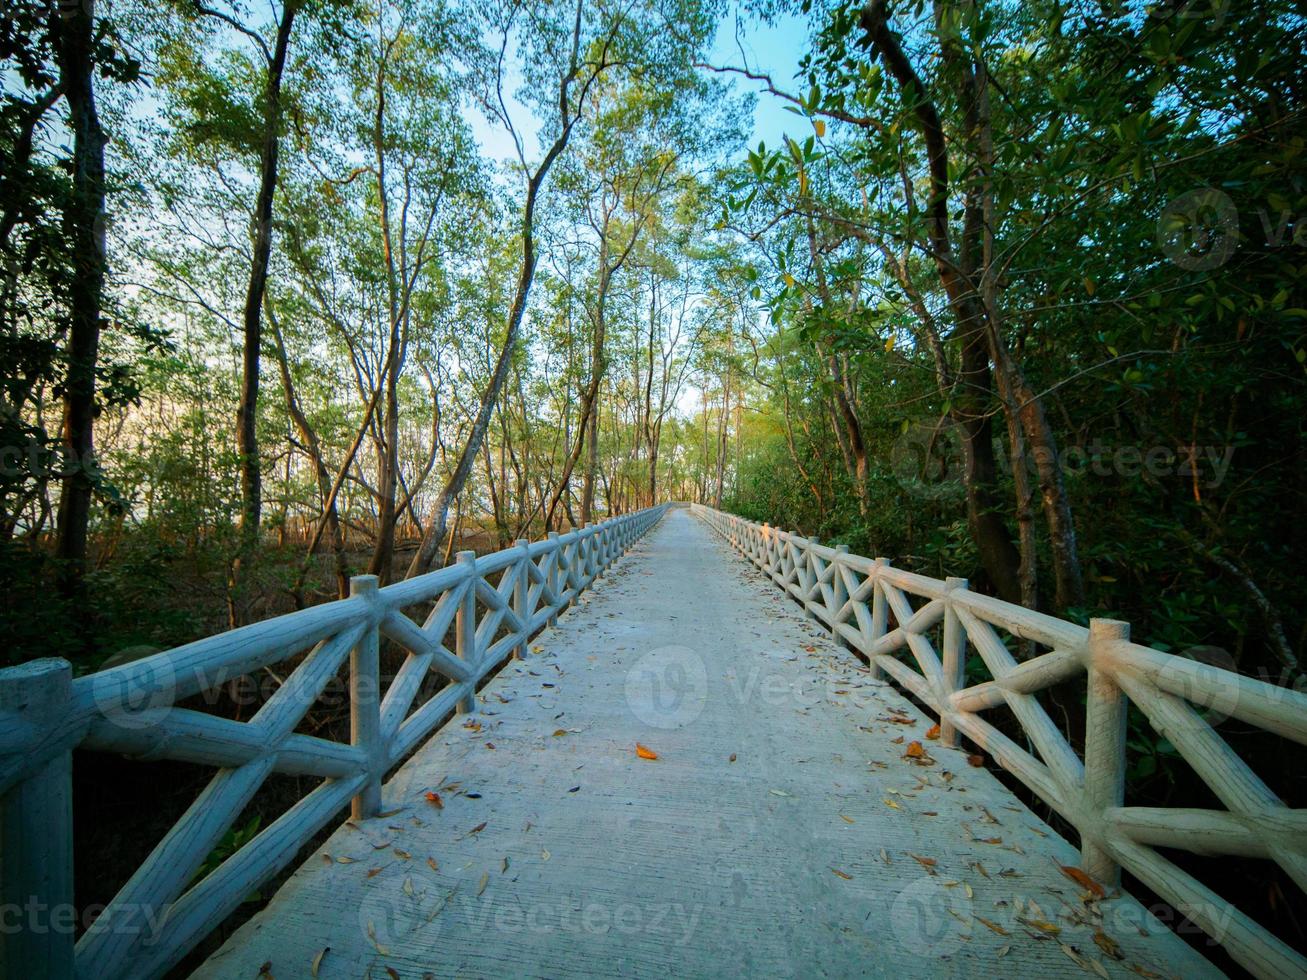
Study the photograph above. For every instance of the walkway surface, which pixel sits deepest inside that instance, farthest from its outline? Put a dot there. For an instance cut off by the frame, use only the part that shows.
(783, 829)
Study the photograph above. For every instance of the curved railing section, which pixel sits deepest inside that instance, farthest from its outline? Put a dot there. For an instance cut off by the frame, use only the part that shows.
(492, 606)
(867, 603)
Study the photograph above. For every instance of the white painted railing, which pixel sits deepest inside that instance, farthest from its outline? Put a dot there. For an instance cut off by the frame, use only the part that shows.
(159, 915)
(857, 597)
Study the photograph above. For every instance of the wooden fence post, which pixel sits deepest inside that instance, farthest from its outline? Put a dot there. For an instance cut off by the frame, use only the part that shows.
(839, 594)
(551, 573)
(808, 576)
(365, 700)
(953, 657)
(36, 829)
(465, 625)
(1105, 730)
(879, 613)
(521, 593)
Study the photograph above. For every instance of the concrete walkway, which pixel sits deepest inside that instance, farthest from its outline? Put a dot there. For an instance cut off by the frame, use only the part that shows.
(780, 832)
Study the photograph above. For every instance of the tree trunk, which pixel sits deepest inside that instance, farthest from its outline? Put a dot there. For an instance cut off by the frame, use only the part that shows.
(247, 440)
(84, 227)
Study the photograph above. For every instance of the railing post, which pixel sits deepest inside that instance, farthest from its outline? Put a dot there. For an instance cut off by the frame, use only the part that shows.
(1105, 731)
(839, 595)
(365, 699)
(551, 574)
(465, 625)
(521, 593)
(36, 828)
(590, 571)
(953, 659)
(879, 614)
(808, 576)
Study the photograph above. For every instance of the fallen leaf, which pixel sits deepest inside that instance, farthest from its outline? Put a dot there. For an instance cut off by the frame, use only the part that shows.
(778, 792)
(846, 877)
(890, 803)
(403, 854)
(732, 759)
(344, 860)
(317, 961)
(431, 863)
(846, 819)
(914, 751)
(925, 862)
(644, 752)
(1108, 945)
(545, 855)
(490, 745)
(503, 867)
(1046, 927)
(993, 926)
(478, 828)
(434, 799)
(485, 880)
(932, 732)
(574, 789)
(560, 732)
(1082, 879)
(408, 887)
(372, 934)
(390, 970)
(373, 872)
(976, 761)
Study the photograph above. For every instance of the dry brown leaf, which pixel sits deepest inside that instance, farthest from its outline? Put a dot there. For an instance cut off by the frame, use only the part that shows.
(392, 973)
(559, 732)
(403, 854)
(431, 863)
(975, 761)
(1108, 945)
(1083, 880)
(644, 752)
(732, 759)
(373, 872)
(914, 751)
(434, 799)
(925, 862)
(846, 877)
(932, 732)
(993, 926)
(478, 828)
(846, 819)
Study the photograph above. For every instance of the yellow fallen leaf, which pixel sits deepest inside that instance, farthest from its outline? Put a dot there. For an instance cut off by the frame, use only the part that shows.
(994, 926)
(846, 819)
(932, 732)
(645, 753)
(317, 961)
(485, 880)
(914, 751)
(890, 803)
(846, 877)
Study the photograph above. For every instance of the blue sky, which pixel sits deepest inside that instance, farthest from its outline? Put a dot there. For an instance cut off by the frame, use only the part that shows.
(771, 49)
